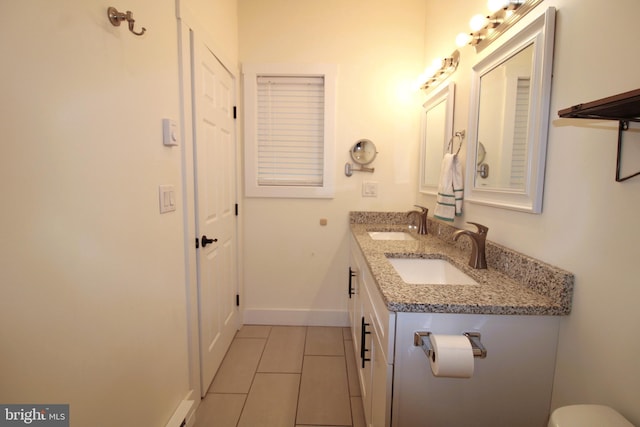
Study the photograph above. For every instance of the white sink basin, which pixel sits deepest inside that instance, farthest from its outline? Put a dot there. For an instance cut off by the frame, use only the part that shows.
(422, 271)
(390, 235)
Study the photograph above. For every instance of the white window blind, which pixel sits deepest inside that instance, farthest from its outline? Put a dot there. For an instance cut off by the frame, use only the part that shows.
(520, 132)
(290, 130)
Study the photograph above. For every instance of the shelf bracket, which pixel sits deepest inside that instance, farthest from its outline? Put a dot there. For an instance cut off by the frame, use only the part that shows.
(622, 127)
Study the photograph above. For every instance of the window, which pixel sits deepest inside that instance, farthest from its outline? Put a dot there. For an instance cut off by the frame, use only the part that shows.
(289, 130)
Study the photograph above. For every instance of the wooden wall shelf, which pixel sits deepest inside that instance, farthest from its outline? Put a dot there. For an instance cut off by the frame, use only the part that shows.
(624, 108)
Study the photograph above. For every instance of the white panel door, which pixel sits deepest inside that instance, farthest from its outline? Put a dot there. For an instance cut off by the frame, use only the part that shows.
(215, 182)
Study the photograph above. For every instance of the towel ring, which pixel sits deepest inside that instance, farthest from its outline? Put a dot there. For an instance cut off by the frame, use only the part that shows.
(460, 136)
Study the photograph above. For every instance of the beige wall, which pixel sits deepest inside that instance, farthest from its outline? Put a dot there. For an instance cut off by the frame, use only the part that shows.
(92, 311)
(292, 264)
(587, 223)
(219, 18)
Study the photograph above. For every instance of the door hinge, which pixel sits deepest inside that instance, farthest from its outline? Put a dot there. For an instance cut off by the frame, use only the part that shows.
(235, 112)
(238, 300)
(236, 209)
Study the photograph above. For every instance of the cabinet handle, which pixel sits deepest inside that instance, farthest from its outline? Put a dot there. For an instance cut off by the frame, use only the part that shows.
(363, 342)
(352, 274)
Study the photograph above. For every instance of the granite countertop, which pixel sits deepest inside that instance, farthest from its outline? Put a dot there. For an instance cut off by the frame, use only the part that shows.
(525, 287)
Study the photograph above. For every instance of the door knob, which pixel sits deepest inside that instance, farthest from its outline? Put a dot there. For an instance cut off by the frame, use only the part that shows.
(206, 241)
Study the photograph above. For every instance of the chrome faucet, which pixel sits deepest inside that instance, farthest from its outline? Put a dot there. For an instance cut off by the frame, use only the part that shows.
(478, 257)
(422, 218)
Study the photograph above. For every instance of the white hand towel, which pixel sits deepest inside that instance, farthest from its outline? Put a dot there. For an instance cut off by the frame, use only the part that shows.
(458, 184)
(450, 189)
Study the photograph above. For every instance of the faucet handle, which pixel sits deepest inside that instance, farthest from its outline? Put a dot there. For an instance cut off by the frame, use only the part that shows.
(482, 229)
(424, 210)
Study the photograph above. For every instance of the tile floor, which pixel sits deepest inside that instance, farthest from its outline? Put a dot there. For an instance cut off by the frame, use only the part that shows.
(285, 376)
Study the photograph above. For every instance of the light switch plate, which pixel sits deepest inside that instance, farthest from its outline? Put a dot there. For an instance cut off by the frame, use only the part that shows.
(369, 189)
(167, 195)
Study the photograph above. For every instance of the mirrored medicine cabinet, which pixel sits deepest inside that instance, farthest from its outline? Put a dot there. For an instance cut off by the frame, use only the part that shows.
(437, 131)
(509, 118)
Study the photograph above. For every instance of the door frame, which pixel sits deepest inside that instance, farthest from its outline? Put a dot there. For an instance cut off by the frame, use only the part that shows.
(187, 24)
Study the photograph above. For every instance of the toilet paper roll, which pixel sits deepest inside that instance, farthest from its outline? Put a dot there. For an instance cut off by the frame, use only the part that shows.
(452, 356)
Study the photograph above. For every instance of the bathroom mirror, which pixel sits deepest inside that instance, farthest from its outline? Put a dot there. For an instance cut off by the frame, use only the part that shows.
(509, 120)
(363, 152)
(437, 131)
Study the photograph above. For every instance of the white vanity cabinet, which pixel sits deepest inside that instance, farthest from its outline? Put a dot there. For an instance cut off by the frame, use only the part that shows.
(510, 387)
(373, 328)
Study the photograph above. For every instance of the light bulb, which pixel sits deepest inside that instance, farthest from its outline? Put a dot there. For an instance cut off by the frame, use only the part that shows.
(463, 39)
(494, 5)
(430, 71)
(514, 4)
(423, 77)
(477, 22)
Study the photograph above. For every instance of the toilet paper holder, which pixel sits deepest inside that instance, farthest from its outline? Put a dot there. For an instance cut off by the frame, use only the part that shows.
(421, 339)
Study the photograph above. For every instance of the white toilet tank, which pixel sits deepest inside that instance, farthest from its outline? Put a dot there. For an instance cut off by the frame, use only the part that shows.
(587, 416)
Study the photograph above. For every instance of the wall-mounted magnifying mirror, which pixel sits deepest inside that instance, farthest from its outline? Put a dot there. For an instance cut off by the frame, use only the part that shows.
(511, 90)
(363, 152)
(482, 154)
(437, 131)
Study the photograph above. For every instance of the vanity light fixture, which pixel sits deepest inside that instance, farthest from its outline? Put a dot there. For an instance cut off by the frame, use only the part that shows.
(439, 70)
(495, 5)
(485, 29)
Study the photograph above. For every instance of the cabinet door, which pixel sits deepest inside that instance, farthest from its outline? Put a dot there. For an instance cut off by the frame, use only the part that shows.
(365, 367)
(382, 373)
(510, 387)
(365, 371)
(380, 370)
(353, 294)
(374, 372)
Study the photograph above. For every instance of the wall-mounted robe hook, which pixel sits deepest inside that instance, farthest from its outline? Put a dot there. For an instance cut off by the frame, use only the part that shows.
(116, 17)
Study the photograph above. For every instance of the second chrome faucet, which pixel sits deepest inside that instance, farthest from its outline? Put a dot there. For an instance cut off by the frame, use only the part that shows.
(478, 257)
(422, 218)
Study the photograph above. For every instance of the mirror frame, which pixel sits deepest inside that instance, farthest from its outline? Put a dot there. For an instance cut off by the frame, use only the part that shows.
(540, 32)
(445, 93)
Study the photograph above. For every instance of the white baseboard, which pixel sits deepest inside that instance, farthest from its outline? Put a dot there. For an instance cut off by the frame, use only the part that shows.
(191, 416)
(184, 412)
(288, 317)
